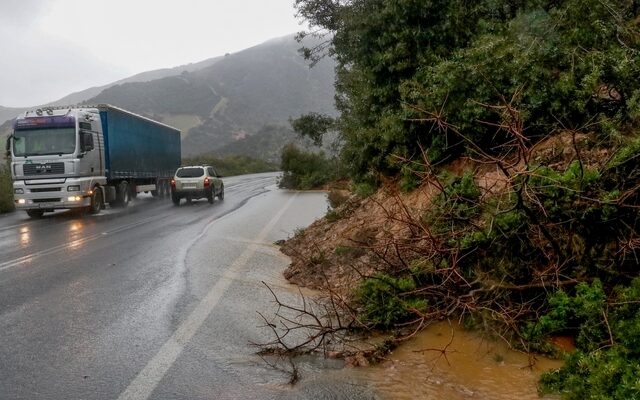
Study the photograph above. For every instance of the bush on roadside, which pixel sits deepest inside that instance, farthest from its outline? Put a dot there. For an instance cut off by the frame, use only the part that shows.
(606, 362)
(304, 170)
(233, 164)
(6, 191)
(386, 300)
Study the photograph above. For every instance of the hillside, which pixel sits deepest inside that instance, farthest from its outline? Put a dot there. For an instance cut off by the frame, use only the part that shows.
(147, 76)
(234, 98)
(7, 113)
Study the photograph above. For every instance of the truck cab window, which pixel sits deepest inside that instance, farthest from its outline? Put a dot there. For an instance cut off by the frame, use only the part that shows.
(47, 141)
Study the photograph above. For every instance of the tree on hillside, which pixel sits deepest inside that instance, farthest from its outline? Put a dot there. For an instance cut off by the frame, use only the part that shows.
(430, 74)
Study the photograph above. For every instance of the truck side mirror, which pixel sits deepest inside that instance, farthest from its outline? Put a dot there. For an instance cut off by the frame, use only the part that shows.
(86, 142)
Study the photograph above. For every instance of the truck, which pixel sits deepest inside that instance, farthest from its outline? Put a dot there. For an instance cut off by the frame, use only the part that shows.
(89, 156)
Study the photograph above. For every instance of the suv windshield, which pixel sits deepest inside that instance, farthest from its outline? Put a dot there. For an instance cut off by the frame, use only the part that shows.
(190, 173)
(39, 142)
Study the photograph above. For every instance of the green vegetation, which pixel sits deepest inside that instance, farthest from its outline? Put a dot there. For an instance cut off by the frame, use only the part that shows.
(388, 300)
(304, 170)
(428, 76)
(6, 191)
(552, 247)
(232, 165)
(606, 363)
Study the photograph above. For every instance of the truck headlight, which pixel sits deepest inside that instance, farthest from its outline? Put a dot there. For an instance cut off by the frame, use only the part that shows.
(21, 201)
(18, 191)
(74, 198)
(73, 188)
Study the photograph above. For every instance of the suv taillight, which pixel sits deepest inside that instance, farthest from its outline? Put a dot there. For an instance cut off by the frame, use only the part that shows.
(173, 183)
(207, 183)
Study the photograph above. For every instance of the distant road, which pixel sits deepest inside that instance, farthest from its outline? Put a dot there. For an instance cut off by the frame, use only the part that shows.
(152, 301)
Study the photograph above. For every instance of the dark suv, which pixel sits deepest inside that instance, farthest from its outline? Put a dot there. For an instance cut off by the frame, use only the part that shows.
(196, 182)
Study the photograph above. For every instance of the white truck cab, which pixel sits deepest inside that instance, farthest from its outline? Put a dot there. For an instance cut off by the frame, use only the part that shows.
(56, 159)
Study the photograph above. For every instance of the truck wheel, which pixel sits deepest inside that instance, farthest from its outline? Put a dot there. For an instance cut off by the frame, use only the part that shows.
(35, 213)
(96, 201)
(122, 196)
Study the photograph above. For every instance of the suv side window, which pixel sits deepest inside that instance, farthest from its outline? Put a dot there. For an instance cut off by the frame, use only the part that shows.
(212, 172)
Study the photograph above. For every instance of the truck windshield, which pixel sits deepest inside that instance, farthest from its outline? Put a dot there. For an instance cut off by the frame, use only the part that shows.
(40, 142)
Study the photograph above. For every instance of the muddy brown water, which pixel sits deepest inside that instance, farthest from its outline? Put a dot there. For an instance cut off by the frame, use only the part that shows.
(470, 368)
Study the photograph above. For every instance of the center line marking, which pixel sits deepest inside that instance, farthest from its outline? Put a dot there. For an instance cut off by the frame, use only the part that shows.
(148, 379)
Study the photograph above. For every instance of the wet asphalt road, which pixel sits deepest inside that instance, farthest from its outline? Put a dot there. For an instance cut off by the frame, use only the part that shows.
(154, 301)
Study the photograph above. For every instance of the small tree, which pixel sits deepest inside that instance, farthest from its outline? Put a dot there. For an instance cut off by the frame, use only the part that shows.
(304, 170)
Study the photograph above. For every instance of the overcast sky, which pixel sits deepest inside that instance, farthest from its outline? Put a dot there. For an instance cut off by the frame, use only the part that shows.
(51, 48)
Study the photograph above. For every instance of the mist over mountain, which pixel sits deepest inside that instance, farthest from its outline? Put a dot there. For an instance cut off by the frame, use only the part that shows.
(234, 104)
(7, 113)
(84, 95)
(234, 98)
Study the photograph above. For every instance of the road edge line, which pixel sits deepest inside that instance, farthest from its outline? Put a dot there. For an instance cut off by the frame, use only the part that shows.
(149, 378)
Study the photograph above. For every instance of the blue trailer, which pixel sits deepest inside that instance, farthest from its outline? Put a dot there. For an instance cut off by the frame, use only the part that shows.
(89, 156)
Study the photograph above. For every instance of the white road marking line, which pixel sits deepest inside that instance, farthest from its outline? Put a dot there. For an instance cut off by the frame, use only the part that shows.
(148, 379)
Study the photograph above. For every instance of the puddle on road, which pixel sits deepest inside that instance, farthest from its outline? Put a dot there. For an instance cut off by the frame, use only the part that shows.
(474, 368)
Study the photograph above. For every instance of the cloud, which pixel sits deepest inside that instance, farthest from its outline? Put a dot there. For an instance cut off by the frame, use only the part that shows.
(35, 71)
(51, 48)
(22, 13)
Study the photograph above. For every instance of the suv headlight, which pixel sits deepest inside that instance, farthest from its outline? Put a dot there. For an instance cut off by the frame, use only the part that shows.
(73, 188)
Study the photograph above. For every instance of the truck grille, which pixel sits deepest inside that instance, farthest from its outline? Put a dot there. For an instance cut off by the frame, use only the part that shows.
(47, 200)
(43, 190)
(44, 169)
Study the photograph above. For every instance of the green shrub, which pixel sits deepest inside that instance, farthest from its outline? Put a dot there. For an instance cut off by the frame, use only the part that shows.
(233, 165)
(606, 364)
(304, 170)
(364, 189)
(386, 300)
(6, 191)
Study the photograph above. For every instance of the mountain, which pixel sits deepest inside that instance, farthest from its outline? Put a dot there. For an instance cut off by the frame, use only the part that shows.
(78, 97)
(234, 98)
(234, 104)
(7, 113)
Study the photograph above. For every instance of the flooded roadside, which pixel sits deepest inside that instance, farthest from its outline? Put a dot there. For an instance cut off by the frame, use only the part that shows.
(470, 368)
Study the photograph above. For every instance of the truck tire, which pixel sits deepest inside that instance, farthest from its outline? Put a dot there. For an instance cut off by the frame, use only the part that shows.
(123, 194)
(35, 213)
(96, 201)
